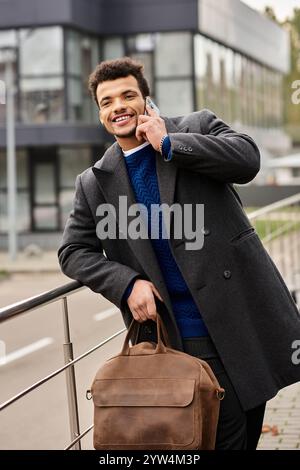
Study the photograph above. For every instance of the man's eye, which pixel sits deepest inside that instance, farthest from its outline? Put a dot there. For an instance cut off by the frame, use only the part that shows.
(129, 96)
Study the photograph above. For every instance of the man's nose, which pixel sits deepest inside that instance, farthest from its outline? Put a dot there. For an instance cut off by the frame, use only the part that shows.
(118, 105)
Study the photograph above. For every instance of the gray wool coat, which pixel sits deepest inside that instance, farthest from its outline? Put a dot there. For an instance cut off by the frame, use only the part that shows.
(242, 297)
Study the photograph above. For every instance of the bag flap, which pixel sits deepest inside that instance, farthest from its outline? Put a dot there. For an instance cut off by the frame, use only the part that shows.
(143, 392)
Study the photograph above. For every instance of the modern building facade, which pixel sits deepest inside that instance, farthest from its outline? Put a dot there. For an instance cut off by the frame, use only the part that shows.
(197, 53)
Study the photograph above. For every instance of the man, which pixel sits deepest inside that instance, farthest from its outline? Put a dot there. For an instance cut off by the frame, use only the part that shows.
(225, 302)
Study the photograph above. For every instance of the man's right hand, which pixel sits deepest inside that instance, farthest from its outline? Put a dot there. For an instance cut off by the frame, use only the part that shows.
(142, 302)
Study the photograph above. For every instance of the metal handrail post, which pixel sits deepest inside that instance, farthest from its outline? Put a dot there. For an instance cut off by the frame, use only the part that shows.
(70, 379)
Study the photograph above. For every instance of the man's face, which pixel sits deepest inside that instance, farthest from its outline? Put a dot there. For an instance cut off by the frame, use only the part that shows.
(121, 102)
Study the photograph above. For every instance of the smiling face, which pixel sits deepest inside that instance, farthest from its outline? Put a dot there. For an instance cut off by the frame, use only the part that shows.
(121, 102)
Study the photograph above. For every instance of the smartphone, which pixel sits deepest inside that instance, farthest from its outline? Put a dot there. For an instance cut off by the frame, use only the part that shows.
(152, 105)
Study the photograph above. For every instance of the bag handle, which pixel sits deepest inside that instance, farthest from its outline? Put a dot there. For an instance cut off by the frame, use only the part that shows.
(161, 339)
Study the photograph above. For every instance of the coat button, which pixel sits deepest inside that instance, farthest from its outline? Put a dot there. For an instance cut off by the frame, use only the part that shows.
(227, 274)
(205, 231)
(190, 149)
(180, 147)
(185, 149)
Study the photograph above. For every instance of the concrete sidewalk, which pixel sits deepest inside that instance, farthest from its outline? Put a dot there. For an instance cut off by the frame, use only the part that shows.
(44, 261)
(282, 421)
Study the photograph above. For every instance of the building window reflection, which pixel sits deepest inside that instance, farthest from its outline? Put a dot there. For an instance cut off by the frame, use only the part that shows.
(23, 194)
(42, 100)
(173, 56)
(82, 56)
(236, 87)
(8, 38)
(41, 83)
(112, 48)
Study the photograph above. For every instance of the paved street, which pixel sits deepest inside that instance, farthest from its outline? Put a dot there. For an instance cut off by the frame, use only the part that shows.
(282, 421)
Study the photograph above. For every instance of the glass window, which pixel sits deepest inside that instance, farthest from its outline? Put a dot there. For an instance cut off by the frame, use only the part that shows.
(22, 169)
(81, 106)
(41, 51)
(175, 97)
(75, 99)
(113, 48)
(73, 52)
(8, 38)
(72, 161)
(173, 54)
(44, 180)
(200, 68)
(3, 169)
(237, 97)
(42, 99)
(146, 59)
(23, 212)
(66, 204)
(45, 218)
(3, 60)
(82, 54)
(89, 56)
(260, 98)
(199, 46)
(226, 72)
(3, 212)
(82, 58)
(141, 43)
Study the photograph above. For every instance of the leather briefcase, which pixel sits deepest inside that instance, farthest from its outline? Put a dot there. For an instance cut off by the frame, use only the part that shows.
(151, 396)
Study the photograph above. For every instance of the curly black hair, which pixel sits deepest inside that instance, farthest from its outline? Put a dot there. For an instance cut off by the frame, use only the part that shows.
(118, 68)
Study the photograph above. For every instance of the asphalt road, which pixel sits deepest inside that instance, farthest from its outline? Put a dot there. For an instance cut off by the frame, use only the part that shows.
(33, 344)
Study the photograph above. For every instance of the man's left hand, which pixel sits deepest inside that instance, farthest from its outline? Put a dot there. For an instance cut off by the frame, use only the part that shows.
(151, 128)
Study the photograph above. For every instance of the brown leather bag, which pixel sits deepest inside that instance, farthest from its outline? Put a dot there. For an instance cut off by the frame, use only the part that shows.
(150, 396)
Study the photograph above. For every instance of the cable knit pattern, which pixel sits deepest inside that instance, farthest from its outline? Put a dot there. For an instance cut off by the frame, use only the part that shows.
(142, 173)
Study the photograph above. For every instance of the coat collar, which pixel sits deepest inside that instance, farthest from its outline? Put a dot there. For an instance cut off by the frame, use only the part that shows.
(113, 180)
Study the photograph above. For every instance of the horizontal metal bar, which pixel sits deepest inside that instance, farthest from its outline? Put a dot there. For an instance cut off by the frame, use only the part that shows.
(275, 205)
(39, 300)
(79, 437)
(280, 231)
(56, 372)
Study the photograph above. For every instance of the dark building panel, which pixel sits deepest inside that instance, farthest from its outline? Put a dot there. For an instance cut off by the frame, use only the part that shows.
(149, 15)
(102, 16)
(88, 15)
(16, 13)
(57, 135)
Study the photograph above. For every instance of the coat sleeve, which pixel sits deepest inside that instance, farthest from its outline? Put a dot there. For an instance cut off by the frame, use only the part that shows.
(81, 254)
(216, 150)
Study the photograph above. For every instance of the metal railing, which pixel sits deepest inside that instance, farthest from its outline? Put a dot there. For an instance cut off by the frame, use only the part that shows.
(278, 226)
(38, 301)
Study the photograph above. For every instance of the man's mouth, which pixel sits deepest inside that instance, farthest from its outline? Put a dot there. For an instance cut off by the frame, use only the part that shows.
(122, 119)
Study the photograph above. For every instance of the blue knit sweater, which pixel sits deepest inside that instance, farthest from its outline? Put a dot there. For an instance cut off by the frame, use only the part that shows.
(142, 173)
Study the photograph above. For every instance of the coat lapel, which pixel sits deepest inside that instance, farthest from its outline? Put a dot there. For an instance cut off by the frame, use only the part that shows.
(113, 180)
